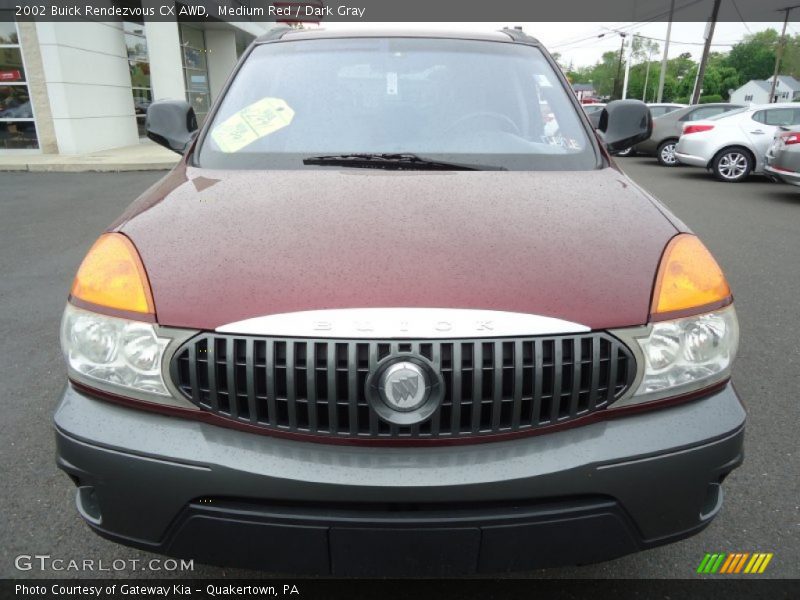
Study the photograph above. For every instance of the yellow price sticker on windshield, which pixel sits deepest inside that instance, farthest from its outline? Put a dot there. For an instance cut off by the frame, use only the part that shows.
(253, 122)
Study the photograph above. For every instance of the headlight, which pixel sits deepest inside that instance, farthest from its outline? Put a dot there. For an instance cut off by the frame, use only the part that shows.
(120, 352)
(685, 355)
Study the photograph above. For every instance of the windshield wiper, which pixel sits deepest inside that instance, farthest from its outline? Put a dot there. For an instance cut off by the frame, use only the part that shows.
(393, 161)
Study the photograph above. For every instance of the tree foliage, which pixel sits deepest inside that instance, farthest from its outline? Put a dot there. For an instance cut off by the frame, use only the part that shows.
(752, 58)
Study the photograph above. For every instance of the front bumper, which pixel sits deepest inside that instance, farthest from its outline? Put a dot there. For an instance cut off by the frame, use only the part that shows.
(217, 495)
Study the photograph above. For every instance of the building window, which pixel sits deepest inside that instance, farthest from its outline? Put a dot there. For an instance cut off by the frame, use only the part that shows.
(195, 70)
(139, 65)
(17, 125)
(748, 98)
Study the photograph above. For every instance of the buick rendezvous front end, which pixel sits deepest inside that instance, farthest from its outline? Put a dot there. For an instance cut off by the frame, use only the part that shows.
(426, 328)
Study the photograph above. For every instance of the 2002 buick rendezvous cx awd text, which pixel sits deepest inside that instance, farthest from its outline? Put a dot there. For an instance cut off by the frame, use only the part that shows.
(396, 311)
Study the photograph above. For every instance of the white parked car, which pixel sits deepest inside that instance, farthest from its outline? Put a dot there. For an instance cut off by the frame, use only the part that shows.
(734, 144)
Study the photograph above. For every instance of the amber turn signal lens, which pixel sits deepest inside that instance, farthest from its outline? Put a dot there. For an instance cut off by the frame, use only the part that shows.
(688, 277)
(112, 275)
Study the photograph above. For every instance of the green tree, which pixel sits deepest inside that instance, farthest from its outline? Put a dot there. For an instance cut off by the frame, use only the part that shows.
(754, 57)
(605, 73)
(790, 63)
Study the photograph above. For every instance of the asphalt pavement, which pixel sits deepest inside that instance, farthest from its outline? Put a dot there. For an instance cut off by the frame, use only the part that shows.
(49, 220)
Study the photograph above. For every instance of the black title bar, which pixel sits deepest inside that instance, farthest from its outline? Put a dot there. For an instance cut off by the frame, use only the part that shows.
(320, 11)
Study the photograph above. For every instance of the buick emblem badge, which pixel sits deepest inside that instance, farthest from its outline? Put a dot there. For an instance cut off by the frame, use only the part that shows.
(404, 386)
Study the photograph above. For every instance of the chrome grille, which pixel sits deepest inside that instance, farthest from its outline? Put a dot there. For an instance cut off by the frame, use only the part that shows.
(318, 386)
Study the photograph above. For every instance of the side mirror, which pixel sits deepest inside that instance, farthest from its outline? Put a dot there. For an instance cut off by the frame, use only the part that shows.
(624, 123)
(171, 123)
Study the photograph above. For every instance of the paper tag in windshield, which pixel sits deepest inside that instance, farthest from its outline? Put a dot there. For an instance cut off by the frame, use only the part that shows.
(253, 122)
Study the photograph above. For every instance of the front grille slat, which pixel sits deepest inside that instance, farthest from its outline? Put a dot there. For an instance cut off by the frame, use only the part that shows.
(437, 366)
(612, 373)
(577, 357)
(352, 388)
(373, 363)
(394, 429)
(230, 367)
(212, 375)
(497, 391)
(291, 389)
(333, 417)
(538, 359)
(319, 386)
(311, 386)
(251, 383)
(516, 413)
(477, 386)
(593, 389)
(271, 370)
(194, 388)
(455, 393)
(555, 409)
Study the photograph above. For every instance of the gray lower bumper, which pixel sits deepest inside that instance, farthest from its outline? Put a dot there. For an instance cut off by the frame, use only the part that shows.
(180, 487)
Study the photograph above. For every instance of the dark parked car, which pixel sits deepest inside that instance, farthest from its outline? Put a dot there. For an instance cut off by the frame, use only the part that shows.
(386, 317)
(668, 128)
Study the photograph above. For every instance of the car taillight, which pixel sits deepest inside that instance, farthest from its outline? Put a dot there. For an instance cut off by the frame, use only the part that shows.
(696, 129)
(790, 138)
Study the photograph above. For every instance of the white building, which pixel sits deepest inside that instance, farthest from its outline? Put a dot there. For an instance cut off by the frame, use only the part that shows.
(78, 87)
(756, 91)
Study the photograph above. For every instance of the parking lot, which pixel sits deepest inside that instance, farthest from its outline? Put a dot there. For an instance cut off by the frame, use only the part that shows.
(50, 219)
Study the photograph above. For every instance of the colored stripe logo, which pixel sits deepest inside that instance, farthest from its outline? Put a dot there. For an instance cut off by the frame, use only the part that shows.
(734, 562)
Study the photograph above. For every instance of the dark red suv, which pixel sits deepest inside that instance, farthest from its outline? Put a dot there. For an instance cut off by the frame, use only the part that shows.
(396, 311)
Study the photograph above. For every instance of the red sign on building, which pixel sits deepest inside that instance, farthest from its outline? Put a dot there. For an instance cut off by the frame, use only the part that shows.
(11, 75)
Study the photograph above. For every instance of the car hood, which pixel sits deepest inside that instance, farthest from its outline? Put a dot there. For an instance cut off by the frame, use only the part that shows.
(223, 246)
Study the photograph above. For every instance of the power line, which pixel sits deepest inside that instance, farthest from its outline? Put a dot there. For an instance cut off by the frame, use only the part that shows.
(628, 27)
(738, 12)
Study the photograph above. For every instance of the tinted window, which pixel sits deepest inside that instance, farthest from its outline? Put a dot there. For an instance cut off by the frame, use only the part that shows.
(730, 113)
(705, 112)
(473, 102)
(778, 116)
(657, 111)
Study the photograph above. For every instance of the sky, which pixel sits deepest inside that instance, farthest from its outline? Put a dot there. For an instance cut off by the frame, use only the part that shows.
(578, 42)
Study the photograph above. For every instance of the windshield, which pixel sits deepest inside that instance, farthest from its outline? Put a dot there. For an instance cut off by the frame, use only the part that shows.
(468, 102)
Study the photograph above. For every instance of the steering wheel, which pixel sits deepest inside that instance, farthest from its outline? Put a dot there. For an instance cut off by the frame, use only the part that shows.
(510, 125)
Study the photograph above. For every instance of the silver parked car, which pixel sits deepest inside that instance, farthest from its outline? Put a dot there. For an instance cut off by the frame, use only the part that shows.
(667, 129)
(783, 157)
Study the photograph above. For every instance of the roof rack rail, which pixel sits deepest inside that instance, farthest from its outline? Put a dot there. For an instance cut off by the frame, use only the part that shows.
(518, 35)
(273, 34)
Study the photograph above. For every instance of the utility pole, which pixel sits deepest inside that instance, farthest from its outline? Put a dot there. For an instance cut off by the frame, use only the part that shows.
(779, 54)
(666, 52)
(619, 64)
(701, 71)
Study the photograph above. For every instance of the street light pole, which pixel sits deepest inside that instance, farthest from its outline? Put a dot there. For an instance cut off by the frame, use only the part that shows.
(628, 68)
(619, 64)
(647, 75)
(779, 54)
